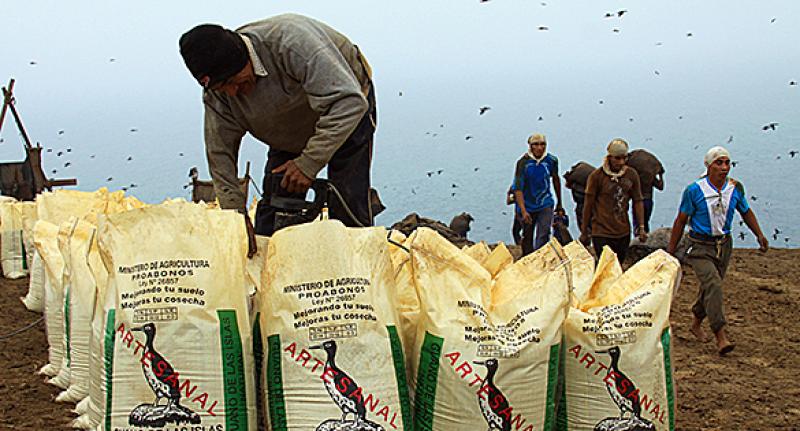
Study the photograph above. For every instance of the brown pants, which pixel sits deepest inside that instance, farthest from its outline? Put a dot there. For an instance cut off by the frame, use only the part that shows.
(709, 261)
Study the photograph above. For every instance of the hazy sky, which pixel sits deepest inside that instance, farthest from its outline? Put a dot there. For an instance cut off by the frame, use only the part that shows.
(660, 89)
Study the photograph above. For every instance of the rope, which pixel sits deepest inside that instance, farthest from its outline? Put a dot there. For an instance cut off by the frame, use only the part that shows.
(21, 330)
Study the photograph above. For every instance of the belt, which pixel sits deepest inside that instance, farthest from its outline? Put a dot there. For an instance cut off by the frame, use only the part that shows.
(716, 240)
(708, 238)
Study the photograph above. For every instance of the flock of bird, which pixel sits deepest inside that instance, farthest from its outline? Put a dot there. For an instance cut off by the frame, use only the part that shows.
(482, 110)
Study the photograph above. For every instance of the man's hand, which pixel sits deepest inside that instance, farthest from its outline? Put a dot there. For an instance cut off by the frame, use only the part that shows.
(641, 233)
(585, 239)
(294, 180)
(251, 237)
(526, 218)
(763, 244)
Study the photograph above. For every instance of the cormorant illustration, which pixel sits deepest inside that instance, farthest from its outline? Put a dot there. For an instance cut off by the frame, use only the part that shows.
(341, 387)
(621, 387)
(494, 402)
(158, 383)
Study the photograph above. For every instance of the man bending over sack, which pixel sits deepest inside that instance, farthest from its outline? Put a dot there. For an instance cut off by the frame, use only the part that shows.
(302, 88)
(707, 204)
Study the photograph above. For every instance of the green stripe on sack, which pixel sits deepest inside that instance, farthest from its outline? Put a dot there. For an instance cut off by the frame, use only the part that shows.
(66, 324)
(233, 371)
(109, 364)
(258, 354)
(24, 254)
(665, 346)
(552, 384)
(275, 401)
(427, 380)
(561, 408)
(400, 375)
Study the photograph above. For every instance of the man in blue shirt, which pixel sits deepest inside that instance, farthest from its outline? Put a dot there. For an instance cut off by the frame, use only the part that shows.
(708, 205)
(532, 178)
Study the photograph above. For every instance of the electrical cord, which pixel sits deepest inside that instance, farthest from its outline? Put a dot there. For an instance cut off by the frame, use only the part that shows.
(347, 210)
(21, 330)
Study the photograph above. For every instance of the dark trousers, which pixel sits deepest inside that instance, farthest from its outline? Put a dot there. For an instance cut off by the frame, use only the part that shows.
(536, 234)
(648, 211)
(516, 230)
(348, 171)
(618, 245)
(709, 261)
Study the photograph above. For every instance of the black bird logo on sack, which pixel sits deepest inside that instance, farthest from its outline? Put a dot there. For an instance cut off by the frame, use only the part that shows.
(348, 396)
(624, 394)
(493, 404)
(163, 381)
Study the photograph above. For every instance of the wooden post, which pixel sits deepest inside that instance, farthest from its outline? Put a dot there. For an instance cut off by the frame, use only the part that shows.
(8, 100)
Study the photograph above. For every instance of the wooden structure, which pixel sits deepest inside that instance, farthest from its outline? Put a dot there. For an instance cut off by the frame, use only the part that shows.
(24, 180)
(203, 191)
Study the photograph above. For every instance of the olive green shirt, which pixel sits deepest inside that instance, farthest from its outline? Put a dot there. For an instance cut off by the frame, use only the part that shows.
(309, 96)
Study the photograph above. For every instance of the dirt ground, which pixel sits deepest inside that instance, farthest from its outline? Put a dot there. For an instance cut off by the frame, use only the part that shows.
(754, 388)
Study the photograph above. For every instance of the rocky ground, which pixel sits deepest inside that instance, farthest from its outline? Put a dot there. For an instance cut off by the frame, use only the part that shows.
(754, 388)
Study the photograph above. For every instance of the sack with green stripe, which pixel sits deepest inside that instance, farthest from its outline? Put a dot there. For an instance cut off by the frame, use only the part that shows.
(334, 356)
(617, 365)
(177, 343)
(12, 248)
(487, 349)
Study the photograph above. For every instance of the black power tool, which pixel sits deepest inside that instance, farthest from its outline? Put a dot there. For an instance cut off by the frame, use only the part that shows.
(291, 209)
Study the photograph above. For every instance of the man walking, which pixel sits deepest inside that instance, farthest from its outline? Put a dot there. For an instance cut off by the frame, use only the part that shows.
(535, 171)
(605, 213)
(651, 174)
(707, 205)
(302, 88)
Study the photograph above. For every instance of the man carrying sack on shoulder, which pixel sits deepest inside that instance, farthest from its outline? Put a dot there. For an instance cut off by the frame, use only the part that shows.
(707, 205)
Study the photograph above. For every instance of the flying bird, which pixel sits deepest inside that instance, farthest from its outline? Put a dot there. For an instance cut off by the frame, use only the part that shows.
(730, 139)
(616, 30)
(689, 35)
(400, 93)
(110, 179)
(600, 102)
(133, 130)
(111, 60)
(68, 164)
(180, 154)
(734, 163)
(32, 63)
(130, 158)
(657, 72)
(59, 154)
(772, 20)
(769, 126)
(468, 137)
(476, 169)
(429, 173)
(543, 28)
(69, 150)
(792, 83)
(60, 132)
(741, 235)
(609, 15)
(621, 12)
(754, 198)
(540, 118)
(49, 150)
(483, 109)
(793, 153)
(439, 172)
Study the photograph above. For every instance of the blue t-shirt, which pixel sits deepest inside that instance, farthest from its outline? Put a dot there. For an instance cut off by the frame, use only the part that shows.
(711, 210)
(533, 179)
